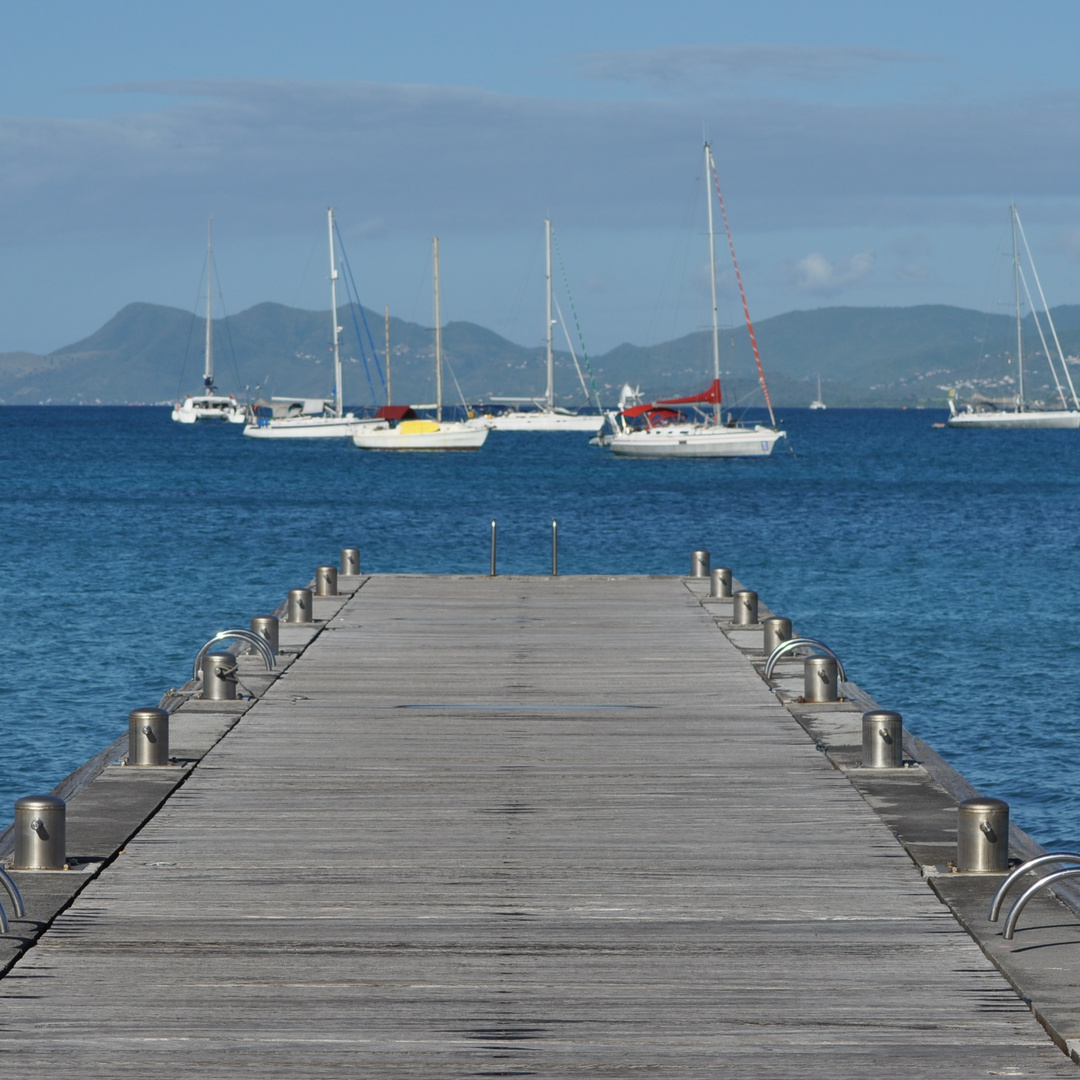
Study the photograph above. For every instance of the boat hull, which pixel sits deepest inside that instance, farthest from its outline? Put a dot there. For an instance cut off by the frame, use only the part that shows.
(545, 421)
(453, 435)
(304, 427)
(208, 407)
(696, 441)
(1053, 418)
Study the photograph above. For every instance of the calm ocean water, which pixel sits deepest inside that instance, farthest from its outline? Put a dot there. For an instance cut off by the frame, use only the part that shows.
(941, 566)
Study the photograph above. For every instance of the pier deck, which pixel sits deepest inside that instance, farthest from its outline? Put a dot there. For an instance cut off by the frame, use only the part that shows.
(514, 826)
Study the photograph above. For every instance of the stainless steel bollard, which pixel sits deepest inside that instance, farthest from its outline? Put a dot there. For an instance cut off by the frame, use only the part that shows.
(40, 833)
(350, 561)
(699, 563)
(720, 582)
(148, 737)
(326, 581)
(820, 679)
(299, 606)
(219, 676)
(882, 740)
(745, 608)
(982, 836)
(267, 627)
(777, 631)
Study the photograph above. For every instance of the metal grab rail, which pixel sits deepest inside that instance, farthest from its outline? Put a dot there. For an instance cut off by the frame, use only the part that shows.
(807, 643)
(16, 901)
(1020, 871)
(1014, 915)
(239, 635)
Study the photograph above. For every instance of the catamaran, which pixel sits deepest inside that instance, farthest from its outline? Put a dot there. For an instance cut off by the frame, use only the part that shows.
(299, 418)
(402, 428)
(1015, 412)
(664, 431)
(544, 415)
(209, 405)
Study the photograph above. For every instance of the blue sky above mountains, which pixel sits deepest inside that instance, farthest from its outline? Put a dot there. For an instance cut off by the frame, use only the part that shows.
(867, 154)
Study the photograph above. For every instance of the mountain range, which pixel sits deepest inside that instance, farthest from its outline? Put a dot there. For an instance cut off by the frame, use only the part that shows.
(905, 356)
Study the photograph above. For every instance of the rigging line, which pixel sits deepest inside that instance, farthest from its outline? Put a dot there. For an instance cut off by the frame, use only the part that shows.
(363, 316)
(577, 323)
(570, 346)
(1042, 338)
(742, 293)
(1049, 319)
(228, 326)
(449, 367)
(191, 331)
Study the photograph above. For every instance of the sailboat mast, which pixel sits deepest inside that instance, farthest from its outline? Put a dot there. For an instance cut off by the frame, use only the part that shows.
(550, 352)
(438, 335)
(386, 314)
(208, 364)
(712, 279)
(333, 313)
(1019, 321)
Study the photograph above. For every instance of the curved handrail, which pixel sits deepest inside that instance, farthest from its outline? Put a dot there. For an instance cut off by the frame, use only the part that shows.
(16, 901)
(1020, 871)
(239, 635)
(803, 642)
(1014, 915)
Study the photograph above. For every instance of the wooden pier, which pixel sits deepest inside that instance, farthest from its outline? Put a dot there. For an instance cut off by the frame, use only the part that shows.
(553, 827)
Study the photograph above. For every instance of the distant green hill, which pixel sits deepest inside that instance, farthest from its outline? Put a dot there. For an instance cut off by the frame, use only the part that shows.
(864, 356)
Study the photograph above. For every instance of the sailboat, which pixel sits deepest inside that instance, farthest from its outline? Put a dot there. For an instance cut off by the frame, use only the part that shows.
(546, 415)
(818, 403)
(1015, 413)
(299, 418)
(209, 405)
(401, 428)
(664, 431)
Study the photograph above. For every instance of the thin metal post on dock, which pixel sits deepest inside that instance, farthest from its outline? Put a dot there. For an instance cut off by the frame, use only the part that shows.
(493, 531)
(554, 548)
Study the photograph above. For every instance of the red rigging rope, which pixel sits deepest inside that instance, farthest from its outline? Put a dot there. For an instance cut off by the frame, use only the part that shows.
(742, 296)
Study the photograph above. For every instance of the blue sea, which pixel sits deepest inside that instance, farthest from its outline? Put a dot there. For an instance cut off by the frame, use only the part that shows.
(942, 566)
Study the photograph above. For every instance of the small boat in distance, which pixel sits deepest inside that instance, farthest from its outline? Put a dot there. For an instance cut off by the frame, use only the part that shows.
(399, 427)
(209, 405)
(817, 403)
(544, 415)
(1014, 412)
(658, 430)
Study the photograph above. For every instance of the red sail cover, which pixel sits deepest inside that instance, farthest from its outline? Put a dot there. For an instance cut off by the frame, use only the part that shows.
(709, 397)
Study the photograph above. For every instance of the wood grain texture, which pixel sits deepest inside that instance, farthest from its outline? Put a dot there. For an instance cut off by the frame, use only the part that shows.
(515, 826)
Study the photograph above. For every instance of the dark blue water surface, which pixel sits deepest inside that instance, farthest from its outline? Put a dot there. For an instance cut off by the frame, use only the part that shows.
(942, 566)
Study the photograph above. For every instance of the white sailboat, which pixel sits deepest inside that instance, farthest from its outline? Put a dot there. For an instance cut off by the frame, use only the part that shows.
(665, 432)
(209, 405)
(1015, 413)
(818, 403)
(299, 418)
(407, 431)
(544, 415)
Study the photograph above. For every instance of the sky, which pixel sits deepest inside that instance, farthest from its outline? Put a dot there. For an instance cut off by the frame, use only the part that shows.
(867, 154)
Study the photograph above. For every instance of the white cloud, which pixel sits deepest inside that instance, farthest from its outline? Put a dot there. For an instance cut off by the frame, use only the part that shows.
(816, 274)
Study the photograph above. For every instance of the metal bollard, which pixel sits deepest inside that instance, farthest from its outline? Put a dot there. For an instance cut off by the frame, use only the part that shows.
(148, 737)
(720, 582)
(40, 834)
(299, 606)
(554, 548)
(494, 532)
(350, 561)
(820, 679)
(699, 563)
(219, 676)
(882, 740)
(326, 581)
(982, 836)
(745, 608)
(267, 627)
(777, 631)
